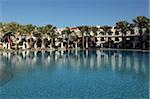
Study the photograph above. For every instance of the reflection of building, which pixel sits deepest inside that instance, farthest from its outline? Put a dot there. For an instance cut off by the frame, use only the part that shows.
(114, 60)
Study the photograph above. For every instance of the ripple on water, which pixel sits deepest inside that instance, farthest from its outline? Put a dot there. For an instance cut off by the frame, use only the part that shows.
(5, 76)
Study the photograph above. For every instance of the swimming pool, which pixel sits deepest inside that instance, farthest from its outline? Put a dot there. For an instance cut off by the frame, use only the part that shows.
(77, 74)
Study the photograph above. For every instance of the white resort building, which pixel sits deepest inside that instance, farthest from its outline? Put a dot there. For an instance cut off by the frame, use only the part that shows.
(111, 39)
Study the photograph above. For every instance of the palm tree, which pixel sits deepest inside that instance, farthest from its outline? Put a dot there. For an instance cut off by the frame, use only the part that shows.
(106, 29)
(75, 38)
(7, 38)
(29, 30)
(15, 29)
(43, 31)
(94, 29)
(141, 22)
(82, 29)
(62, 34)
(87, 30)
(2, 28)
(123, 27)
(52, 34)
(67, 31)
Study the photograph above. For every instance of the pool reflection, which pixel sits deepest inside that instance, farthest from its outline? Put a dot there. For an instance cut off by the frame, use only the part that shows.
(117, 61)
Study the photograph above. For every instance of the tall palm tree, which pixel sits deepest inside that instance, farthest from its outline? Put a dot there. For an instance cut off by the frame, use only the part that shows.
(2, 28)
(52, 34)
(43, 31)
(82, 29)
(7, 38)
(75, 38)
(141, 22)
(15, 29)
(87, 30)
(29, 30)
(123, 27)
(67, 31)
(106, 29)
(94, 29)
(62, 34)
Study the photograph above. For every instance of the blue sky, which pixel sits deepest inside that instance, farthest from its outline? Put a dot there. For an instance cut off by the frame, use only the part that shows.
(71, 13)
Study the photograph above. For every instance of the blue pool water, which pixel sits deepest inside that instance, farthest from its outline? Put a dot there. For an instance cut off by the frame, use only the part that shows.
(80, 74)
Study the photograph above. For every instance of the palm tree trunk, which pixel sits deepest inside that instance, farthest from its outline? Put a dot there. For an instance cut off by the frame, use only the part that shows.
(83, 40)
(30, 40)
(15, 41)
(76, 44)
(94, 39)
(122, 41)
(43, 45)
(140, 32)
(87, 40)
(53, 42)
(62, 42)
(68, 44)
(10, 43)
(144, 45)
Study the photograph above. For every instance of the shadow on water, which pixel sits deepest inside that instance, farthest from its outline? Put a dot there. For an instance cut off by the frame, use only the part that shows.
(5, 76)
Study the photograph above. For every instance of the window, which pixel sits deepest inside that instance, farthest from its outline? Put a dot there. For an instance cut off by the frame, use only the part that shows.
(110, 33)
(102, 38)
(109, 38)
(116, 33)
(132, 31)
(116, 38)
